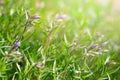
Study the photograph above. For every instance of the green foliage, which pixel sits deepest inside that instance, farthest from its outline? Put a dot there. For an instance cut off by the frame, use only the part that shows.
(61, 44)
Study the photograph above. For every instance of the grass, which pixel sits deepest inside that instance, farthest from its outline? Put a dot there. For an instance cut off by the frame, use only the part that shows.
(71, 41)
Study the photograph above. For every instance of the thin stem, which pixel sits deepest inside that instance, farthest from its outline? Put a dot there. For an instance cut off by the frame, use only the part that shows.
(48, 40)
(21, 36)
(25, 27)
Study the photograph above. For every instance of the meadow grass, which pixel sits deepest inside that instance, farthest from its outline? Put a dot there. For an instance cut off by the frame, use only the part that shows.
(58, 40)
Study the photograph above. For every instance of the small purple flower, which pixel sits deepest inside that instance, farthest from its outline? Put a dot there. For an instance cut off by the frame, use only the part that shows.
(35, 17)
(94, 45)
(17, 44)
(104, 44)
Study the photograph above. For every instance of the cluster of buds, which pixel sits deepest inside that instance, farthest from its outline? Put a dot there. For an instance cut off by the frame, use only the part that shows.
(97, 46)
(96, 49)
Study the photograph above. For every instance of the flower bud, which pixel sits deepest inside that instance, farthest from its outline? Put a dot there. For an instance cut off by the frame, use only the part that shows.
(62, 16)
(94, 45)
(35, 17)
(104, 44)
(16, 45)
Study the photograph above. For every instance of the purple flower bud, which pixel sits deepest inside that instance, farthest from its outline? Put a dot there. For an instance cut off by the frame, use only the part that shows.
(35, 17)
(104, 44)
(17, 44)
(98, 35)
(62, 16)
(94, 45)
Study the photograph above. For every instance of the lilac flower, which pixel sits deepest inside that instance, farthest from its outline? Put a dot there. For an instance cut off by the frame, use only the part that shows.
(35, 17)
(16, 45)
(94, 45)
(104, 44)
